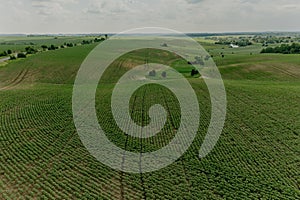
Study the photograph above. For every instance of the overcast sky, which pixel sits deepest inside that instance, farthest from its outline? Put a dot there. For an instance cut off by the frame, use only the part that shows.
(86, 16)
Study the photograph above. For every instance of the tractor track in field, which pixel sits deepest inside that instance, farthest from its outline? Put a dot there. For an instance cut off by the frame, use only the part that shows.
(122, 174)
(15, 82)
(141, 150)
(288, 73)
(123, 160)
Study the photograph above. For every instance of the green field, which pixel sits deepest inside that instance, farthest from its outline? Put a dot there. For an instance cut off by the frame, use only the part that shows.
(256, 157)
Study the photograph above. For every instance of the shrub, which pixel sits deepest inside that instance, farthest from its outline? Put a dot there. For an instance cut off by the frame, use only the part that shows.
(12, 57)
(3, 53)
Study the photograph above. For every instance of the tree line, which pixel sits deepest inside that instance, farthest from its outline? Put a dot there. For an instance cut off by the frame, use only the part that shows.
(32, 50)
(284, 49)
(242, 42)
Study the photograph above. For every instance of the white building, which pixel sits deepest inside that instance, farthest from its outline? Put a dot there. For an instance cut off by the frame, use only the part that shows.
(234, 46)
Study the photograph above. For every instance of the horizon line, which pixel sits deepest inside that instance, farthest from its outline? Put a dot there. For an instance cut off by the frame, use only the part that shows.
(114, 33)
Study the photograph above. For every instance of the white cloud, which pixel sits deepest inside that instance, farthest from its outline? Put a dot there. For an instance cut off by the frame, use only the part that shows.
(51, 7)
(108, 7)
(120, 15)
(194, 1)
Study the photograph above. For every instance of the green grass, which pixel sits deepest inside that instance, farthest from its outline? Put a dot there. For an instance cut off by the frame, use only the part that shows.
(257, 156)
(57, 67)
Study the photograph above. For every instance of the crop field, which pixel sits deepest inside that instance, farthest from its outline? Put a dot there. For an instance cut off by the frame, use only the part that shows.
(256, 157)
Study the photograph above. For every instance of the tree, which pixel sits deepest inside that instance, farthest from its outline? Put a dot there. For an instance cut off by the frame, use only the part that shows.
(21, 55)
(85, 42)
(284, 49)
(152, 73)
(69, 45)
(194, 72)
(30, 50)
(207, 57)
(199, 60)
(98, 39)
(44, 47)
(9, 51)
(52, 47)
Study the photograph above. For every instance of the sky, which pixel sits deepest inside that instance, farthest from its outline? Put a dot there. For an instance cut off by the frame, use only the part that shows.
(113, 16)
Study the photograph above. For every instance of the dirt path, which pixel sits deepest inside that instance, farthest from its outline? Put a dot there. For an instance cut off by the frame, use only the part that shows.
(4, 59)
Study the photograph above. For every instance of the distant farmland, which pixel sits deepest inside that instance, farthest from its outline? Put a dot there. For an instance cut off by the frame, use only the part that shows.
(42, 157)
